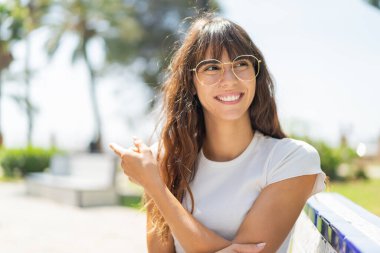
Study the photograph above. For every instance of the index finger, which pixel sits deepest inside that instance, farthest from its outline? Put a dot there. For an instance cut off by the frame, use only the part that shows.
(249, 248)
(119, 150)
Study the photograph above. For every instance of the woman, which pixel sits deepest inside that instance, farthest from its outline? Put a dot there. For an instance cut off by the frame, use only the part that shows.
(224, 176)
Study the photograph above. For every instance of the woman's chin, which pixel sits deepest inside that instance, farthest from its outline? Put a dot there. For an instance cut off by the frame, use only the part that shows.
(231, 116)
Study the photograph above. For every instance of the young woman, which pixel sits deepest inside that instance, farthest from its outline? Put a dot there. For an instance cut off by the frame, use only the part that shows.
(223, 177)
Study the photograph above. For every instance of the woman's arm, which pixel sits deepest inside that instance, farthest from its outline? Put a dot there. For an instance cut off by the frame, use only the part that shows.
(192, 235)
(275, 211)
(141, 167)
(269, 220)
(154, 243)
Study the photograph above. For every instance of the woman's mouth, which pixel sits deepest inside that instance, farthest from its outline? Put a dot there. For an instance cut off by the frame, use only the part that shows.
(229, 99)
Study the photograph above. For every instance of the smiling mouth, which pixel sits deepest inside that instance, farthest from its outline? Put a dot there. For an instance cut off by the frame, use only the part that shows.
(230, 99)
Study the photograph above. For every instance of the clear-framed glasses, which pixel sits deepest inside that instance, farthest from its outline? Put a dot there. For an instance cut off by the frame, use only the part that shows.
(211, 71)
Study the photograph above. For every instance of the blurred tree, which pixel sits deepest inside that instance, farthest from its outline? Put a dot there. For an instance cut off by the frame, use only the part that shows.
(375, 3)
(160, 21)
(129, 30)
(7, 36)
(331, 157)
(88, 20)
(24, 17)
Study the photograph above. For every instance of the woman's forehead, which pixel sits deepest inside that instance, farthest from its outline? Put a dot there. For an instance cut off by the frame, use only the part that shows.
(217, 53)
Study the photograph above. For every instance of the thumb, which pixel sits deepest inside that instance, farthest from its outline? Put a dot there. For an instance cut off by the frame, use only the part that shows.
(140, 145)
(250, 248)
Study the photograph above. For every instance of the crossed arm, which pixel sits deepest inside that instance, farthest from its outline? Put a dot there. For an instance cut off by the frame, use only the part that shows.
(269, 220)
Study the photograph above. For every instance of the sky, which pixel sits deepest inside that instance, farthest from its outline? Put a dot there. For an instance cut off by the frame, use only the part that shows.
(325, 58)
(323, 55)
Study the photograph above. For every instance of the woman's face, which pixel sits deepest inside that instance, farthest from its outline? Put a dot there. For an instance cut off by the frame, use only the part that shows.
(230, 98)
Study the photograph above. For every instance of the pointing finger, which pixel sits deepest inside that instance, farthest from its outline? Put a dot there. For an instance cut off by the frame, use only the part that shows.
(119, 150)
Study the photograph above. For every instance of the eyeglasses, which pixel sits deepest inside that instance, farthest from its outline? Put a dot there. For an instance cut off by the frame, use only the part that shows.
(209, 72)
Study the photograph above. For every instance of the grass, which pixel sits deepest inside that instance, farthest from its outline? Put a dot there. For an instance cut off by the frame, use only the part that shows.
(365, 193)
(131, 201)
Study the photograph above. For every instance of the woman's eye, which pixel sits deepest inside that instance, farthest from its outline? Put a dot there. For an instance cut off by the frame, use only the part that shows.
(211, 68)
(242, 64)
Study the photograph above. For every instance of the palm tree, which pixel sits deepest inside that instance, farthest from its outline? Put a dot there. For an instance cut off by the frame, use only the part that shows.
(129, 30)
(87, 20)
(5, 60)
(9, 30)
(160, 21)
(25, 17)
(34, 11)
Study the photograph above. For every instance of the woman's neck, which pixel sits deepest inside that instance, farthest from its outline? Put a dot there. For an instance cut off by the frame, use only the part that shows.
(227, 140)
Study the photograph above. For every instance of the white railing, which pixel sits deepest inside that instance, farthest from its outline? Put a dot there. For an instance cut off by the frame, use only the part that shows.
(332, 223)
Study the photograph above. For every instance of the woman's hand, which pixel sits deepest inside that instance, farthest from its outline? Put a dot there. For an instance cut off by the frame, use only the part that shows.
(139, 164)
(243, 248)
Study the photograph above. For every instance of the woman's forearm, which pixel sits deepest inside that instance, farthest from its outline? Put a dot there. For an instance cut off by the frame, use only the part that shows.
(141, 166)
(193, 236)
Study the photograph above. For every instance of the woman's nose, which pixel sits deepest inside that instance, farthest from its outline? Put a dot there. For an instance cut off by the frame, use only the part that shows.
(228, 75)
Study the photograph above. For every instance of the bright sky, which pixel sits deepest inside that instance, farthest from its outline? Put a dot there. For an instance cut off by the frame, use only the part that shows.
(324, 57)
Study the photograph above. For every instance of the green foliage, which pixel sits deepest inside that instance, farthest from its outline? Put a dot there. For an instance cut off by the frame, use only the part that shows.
(361, 174)
(331, 157)
(132, 201)
(18, 19)
(129, 30)
(375, 3)
(108, 21)
(141, 32)
(161, 22)
(20, 161)
(9, 30)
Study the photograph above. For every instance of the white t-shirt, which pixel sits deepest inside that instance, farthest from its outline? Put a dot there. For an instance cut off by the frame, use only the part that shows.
(224, 192)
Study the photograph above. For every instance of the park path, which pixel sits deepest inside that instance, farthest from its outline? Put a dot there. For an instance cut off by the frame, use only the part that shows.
(31, 224)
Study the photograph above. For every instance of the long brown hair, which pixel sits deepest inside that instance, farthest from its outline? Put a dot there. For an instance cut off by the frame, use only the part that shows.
(183, 130)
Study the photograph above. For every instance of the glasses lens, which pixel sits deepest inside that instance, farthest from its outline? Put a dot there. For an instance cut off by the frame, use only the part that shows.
(244, 67)
(209, 72)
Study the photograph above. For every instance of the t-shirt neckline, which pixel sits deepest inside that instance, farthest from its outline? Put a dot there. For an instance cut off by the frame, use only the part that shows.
(226, 164)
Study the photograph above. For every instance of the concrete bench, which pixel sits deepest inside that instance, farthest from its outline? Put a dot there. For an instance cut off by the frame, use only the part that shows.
(80, 180)
(332, 223)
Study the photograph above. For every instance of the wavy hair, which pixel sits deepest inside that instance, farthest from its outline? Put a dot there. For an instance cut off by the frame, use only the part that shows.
(183, 129)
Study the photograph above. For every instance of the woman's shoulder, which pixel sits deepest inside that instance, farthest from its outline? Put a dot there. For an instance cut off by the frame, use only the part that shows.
(291, 157)
(291, 145)
(290, 152)
(287, 145)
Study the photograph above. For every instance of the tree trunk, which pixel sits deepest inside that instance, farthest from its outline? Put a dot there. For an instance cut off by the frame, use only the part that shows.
(1, 132)
(96, 143)
(29, 109)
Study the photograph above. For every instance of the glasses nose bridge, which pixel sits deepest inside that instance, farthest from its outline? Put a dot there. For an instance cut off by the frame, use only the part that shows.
(228, 63)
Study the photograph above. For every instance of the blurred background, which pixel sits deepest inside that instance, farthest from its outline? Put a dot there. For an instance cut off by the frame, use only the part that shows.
(76, 75)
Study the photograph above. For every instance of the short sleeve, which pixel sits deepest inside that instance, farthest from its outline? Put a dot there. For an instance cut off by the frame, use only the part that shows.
(292, 158)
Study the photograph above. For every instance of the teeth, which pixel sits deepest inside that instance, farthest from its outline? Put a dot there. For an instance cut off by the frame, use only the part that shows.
(229, 98)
